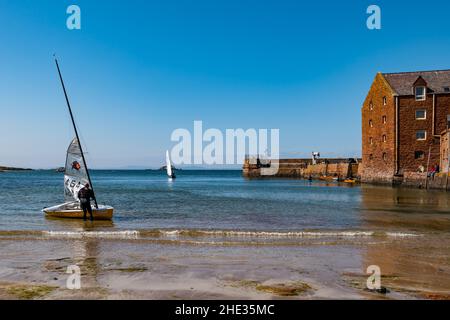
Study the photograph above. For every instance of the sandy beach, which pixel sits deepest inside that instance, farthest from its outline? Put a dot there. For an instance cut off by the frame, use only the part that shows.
(167, 266)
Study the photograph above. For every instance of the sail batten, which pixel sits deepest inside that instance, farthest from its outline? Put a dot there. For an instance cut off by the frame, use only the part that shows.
(75, 175)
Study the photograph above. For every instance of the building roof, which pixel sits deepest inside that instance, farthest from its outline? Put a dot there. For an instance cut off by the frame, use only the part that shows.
(402, 83)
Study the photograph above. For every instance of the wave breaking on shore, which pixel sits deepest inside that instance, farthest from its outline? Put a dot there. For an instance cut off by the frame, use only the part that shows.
(198, 233)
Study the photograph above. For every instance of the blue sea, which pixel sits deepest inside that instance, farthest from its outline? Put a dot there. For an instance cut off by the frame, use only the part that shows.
(224, 200)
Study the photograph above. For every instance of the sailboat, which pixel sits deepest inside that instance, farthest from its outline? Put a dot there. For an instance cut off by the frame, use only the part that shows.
(76, 175)
(169, 168)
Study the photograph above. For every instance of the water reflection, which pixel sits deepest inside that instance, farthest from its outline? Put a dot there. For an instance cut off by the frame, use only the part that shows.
(405, 208)
(85, 255)
(417, 264)
(84, 251)
(77, 224)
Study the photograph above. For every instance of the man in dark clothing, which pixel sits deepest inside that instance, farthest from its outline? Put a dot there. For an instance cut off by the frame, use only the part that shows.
(85, 195)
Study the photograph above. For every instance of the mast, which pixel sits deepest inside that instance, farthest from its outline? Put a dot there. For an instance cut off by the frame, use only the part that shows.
(76, 131)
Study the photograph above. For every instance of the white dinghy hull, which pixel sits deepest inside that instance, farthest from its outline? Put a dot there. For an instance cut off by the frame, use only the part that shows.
(72, 210)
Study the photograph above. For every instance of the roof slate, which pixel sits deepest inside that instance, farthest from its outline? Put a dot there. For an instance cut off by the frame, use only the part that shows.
(403, 82)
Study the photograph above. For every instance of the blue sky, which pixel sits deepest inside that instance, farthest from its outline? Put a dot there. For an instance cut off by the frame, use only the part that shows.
(137, 70)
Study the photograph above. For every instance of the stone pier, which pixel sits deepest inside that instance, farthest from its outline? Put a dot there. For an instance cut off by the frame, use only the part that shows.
(305, 169)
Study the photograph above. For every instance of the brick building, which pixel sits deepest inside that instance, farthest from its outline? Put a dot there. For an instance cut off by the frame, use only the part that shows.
(403, 118)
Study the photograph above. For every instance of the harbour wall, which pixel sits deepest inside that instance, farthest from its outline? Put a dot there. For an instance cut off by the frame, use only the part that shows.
(422, 180)
(341, 169)
(439, 181)
(304, 168)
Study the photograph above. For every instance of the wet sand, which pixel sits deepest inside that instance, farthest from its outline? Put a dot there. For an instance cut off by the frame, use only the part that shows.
(173, 265)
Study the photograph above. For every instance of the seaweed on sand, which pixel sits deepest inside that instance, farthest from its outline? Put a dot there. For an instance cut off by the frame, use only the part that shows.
(288, 289)
(285, 290)
(29, 292)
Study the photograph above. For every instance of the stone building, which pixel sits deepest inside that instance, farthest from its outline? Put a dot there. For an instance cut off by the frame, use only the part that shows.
(403, 117)
(445, 146)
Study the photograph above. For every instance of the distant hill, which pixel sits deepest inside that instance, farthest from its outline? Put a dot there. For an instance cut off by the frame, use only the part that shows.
(13, 169)
(173, 168)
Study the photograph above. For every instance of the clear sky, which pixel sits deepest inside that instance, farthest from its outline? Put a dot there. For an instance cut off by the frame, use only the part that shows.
(137, 70)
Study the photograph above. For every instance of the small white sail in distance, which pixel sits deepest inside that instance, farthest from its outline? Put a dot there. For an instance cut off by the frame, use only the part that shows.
(168, 165)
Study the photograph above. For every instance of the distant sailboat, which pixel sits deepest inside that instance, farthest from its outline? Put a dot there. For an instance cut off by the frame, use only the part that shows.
(169, 169)
(76, 175)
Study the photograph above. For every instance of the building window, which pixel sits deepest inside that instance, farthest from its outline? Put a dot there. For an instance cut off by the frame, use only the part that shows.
(419, 155)
(370, 123)
(371, 140)
(384, 119)
(420, 93)
(371, 105)
(384, 101)
(421, 114)
(370, 156)
(384, 156)
(384, 138)
(421, 135)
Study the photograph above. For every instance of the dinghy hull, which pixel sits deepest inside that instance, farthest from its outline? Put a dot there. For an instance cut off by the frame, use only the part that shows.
(66, 212)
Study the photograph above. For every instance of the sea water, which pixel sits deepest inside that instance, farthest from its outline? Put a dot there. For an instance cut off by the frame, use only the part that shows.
(225, 201)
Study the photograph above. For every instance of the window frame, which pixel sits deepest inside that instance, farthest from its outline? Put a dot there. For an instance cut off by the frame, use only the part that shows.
(420, 97)
(425, 114)
(425, 132)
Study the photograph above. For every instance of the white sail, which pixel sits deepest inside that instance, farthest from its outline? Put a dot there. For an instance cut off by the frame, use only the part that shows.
(75, 176)
(168, 165)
